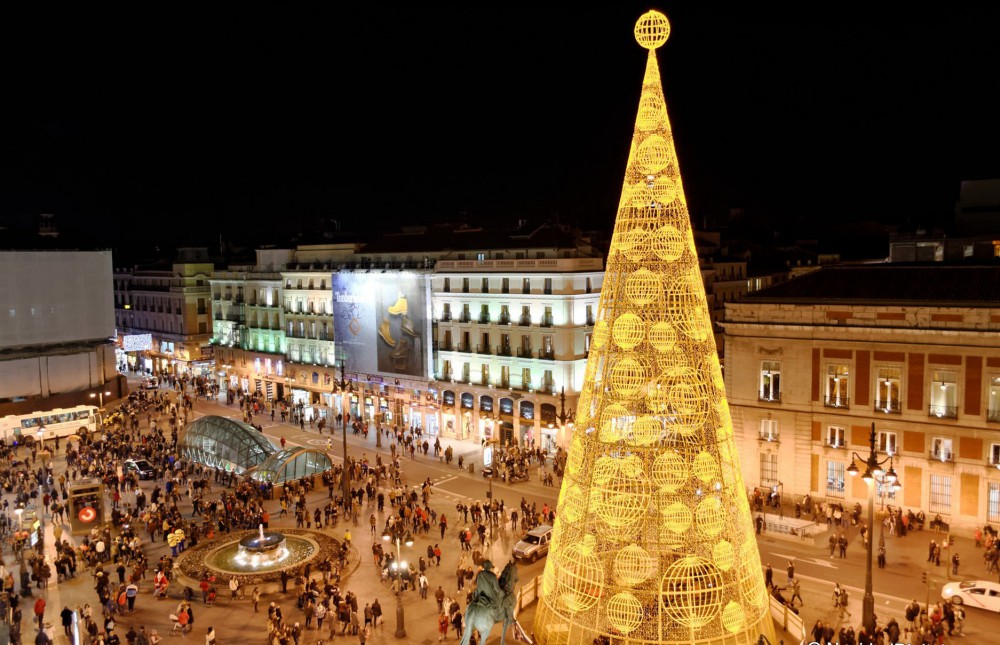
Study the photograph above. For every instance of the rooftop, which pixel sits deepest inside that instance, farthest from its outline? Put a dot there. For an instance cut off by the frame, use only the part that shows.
(970, 286)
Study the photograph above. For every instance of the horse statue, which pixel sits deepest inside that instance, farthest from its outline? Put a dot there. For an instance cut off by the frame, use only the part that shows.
(492, 602)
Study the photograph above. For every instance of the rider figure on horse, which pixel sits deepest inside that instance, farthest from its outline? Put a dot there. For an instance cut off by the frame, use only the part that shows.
(488, 591)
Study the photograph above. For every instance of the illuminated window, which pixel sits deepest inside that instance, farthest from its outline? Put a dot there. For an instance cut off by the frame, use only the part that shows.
(770, 381)
(993, 502)
(835, 471)
(768, 469)
(485, 375)
(887, 388)
(769, 429)
(940, 496)
(941, 449)
(526, 378)
(944, 395)
(837, 387)
(887, 442)
(835, 436)
(993, 412)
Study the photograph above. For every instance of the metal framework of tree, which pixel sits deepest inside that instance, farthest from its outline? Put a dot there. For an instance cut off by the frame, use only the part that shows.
(654, 540)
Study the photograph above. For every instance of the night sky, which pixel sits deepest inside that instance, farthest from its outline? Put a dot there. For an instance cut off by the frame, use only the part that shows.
(257, 119)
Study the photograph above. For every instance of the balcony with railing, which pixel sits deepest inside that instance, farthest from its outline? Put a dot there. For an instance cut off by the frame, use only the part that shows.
(942, 411)
(484, 319)
(767, 437)
(837, 402)
(547, 321)
(525, 352)
(524, 321)
(446, 317)
(504, 383)
(464, 347)
(504, 350)
(889, 407)
(769, 397)
(484, 349)
(446, 347)
(944, 456)
(590, 321)
(465, 318)
(503, 320)
(547, 354)
(993, 415)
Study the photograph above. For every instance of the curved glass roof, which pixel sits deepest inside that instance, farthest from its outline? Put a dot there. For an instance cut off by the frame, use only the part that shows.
(292, 463)
(225, 443)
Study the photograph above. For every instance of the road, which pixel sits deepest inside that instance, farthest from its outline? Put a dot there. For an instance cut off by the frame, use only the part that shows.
(894, 586)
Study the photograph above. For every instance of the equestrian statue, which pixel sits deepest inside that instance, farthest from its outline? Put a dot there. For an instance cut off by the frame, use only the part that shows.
(492, 602)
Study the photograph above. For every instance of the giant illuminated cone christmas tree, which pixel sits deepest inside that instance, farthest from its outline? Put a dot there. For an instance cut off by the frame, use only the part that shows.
(654, 539)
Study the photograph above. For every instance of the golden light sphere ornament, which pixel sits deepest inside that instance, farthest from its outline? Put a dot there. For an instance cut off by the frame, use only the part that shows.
(654, 540)
(652, 29)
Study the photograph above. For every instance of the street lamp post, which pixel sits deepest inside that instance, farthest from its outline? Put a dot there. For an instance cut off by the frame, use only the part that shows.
(408, 540)
(100, 405)
(346, 476)
(564, 418)
(874, 473)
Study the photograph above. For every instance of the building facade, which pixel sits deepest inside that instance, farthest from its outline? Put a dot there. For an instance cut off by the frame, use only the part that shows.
(813, 362)
(170, 307)
(490, 341)
(512, 342)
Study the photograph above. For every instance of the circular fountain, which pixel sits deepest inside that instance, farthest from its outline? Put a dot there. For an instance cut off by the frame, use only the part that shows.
(264, 550)
(260, 554)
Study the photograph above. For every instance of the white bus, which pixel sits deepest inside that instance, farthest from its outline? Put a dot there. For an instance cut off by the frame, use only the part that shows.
(60, 422)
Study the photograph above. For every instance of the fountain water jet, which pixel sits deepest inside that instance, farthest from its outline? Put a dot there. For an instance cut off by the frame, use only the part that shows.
(262, 550)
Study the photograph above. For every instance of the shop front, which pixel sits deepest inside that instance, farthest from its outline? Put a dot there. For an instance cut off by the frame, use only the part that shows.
(549, 427)
(448, 421)
(506, 421)
(526, 430)
(468, 405)
(487, 421)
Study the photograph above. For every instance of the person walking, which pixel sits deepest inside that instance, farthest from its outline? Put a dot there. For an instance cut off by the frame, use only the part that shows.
(954, 564)
(40, 612)
(256, 598)
(796, 592)
(67, 620)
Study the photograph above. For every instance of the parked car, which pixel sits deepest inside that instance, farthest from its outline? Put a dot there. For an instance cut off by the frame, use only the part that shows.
(973, 593)
(140, 467)
(534, 544)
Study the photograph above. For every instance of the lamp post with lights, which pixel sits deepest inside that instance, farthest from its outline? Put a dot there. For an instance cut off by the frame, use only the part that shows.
(345, 478)
(100, 396)
(873, 474)
(395, 536)
(564, 418)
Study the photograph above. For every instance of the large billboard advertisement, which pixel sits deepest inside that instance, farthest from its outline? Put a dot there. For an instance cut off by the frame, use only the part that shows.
(50, 297)
(380, 322)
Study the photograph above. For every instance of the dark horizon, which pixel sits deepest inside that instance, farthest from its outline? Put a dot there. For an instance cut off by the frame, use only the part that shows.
(259, 122)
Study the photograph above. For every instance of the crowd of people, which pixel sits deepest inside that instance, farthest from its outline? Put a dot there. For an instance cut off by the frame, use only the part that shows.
(186, 503)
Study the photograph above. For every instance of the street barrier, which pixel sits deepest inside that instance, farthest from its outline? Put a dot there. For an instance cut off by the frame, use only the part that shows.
(787, 619)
